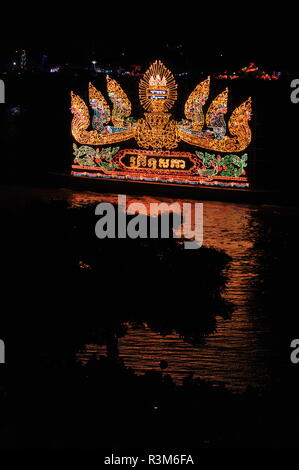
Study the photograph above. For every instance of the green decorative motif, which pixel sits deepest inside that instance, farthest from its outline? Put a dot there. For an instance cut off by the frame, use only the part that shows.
(84, 155)
(227, 165)
(106, 156)
(130, 120)
(88, 156)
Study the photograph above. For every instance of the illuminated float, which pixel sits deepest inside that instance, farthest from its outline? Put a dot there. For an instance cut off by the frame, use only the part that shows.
(114, 145)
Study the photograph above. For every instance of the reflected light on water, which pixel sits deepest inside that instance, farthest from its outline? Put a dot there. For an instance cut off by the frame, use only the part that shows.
(237, 353)
(234, 354)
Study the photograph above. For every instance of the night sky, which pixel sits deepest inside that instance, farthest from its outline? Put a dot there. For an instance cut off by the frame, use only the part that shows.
(199, 42)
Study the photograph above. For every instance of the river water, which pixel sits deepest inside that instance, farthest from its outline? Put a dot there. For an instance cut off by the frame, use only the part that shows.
(237, 354)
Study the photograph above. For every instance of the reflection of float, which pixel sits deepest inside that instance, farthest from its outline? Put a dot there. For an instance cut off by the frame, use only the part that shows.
(99, 157)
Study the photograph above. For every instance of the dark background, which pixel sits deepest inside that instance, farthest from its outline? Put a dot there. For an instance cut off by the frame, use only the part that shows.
(37, 139)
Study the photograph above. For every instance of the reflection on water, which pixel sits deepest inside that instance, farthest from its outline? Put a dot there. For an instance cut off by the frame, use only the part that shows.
(238, 352)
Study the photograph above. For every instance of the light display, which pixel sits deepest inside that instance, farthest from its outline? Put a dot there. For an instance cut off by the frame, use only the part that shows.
(157, 131)
(23, 61)
(157, 92)
(237, 125)
(157, 89)
(81, 122)
(194, 104)
(121, 103)
(251, 71)
(101, 109)
(157, 156)
(217, 109)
